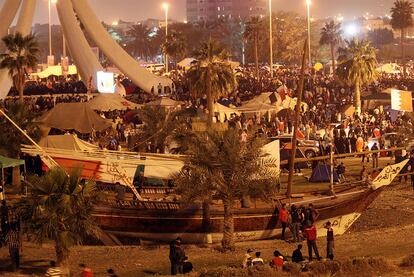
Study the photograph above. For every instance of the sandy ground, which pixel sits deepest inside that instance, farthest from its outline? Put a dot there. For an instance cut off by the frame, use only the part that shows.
(384, 230)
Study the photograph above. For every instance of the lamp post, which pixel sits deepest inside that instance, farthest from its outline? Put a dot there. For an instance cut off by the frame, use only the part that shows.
(50, 2)
(271, 38)
(166, 6)
(308, 3)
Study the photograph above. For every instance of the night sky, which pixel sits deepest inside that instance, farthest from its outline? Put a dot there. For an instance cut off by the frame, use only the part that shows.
(133, 10)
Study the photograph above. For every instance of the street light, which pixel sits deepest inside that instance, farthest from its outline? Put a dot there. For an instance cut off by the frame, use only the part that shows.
(308, 3)
(50, 2)
(166, 6)
(271, 38)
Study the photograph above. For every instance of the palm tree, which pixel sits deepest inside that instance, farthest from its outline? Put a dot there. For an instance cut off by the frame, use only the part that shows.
(252, 33)
(21, 54)
(159, 125)
(175, 46)
(356, 67)
(331, 35)
(225, 167)
(59, 207)
(139, 42)
(212, 75)
(401, 19)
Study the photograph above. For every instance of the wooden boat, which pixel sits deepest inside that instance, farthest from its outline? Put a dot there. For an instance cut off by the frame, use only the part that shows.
(164, 220)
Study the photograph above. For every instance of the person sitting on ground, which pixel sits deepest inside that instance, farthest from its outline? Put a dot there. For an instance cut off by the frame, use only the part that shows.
(297, 256)
(257, 260)
(54, 271)
(111, 273)
(340, 170)
(86, 271)
(278, 260)
(247, 260)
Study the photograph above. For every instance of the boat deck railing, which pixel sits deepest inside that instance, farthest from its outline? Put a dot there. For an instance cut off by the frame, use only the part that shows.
(145, 205)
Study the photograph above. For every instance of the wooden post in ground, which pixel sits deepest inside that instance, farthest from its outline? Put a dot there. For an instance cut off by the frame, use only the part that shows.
(296, 120)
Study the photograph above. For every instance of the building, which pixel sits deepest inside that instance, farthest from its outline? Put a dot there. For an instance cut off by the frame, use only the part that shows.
(206, 10)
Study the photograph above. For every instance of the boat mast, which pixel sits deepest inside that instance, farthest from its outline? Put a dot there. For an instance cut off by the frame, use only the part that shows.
(296, 120)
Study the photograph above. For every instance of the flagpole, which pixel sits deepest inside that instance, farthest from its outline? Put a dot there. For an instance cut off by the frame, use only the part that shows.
(29, 138)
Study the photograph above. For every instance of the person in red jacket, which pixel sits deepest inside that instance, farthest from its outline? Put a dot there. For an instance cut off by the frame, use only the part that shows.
(310, 233)
(283, 218)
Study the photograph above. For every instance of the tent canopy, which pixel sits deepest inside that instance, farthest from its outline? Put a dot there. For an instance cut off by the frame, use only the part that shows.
(74, 116)
(68, 142)
(187, 62)
(55, 71)
(257, 107)
(322, 173)
(164, 102)
(389, 68)
(110, 102)
(8, 162)
(224, 111)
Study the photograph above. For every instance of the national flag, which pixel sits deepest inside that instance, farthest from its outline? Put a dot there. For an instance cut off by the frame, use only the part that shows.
(401, 100)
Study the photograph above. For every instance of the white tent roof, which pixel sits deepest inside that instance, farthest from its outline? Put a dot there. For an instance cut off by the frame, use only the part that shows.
(110, 102)
(257, 107)
(390, 68)
(68, 142)
(56, 71)
(186, 62)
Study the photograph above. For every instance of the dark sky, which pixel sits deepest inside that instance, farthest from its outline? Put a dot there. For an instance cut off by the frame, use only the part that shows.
(133, 10)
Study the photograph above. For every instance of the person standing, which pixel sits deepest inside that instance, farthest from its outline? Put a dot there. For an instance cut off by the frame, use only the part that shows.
(329, 241)
(283, 218)
(310, 233)
(374, 155)
(13, 243)
(295, 223)
(4, 214)
(178, 258)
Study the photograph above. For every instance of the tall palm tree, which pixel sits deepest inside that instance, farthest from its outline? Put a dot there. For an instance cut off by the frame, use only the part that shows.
(59, 207)
(401, 19)
(356, 66)
(159, 125)
(331, 35)
(212, 75)
(21, 54)
(139, 42)
(175, 46)
(225, 167)
(253, 33)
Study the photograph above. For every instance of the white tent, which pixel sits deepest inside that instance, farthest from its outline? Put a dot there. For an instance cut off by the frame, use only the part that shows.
(257, 107)
(224, 111)
(186, 63)
(389, 68)
(55, 71)
(110, 102)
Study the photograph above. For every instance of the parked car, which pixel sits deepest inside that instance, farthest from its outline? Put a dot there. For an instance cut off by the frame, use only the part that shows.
(310, 148)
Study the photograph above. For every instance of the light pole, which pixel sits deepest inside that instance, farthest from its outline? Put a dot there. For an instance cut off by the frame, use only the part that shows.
(271, 38)
(308, 3)
(166, 6)
(50, 2)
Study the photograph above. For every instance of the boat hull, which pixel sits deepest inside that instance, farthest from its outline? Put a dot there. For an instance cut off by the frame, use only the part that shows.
(249, 224)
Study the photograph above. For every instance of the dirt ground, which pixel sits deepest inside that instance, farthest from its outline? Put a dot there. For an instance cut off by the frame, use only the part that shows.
(385, 230)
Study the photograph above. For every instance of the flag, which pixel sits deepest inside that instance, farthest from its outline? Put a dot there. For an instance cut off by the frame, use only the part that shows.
(388, 174)
(401, 100)
(273, 98)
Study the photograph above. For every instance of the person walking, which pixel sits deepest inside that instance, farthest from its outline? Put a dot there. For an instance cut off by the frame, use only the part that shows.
(310, 233)
(329, 241)
(13, 243)
(283, 218)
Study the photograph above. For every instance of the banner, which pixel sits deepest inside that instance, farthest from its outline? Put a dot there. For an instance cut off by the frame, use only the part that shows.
(388, 174)
(401, 100)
